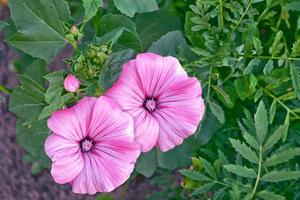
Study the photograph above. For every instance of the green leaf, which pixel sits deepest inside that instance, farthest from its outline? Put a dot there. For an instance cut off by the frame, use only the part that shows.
(251, 140)
(245, 86)
(268, 67)
(293, 6)
(258, 46)
(217, 111)
(129, 8)
(91, 8)
(171, 44)
(40, 26)
(274, 138)
(277, 44)
(3, 24)
(244, 151)
(194, 175)
(147, 163)
(151, 26)
(113, 67)
(32, 137)
(267, 195)
(27, 100)
(282, 157)
(286, 126)
(277, 176)
(272, 111)
(180, 156)
(253, 63)
(295, 74)
(208, 168)
(296, 49)
(36, 70)
(120, 30)
(223, 96)
(261, 122)
(240, 170)
(55, 87)
(203, 188)
(104, 197)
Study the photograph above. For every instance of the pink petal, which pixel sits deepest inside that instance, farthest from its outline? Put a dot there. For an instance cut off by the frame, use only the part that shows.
(127, 91)
(109, 121)
(66, 158)
(157, 72)
(146, 130)
(181, 108)
(107, 167)
(72, 123)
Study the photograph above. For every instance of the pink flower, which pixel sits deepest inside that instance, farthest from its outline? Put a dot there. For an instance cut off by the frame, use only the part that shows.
(71, 83)
(92, 146)
(165, 103)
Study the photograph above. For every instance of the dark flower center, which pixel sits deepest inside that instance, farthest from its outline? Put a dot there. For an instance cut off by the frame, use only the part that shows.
(150, 104)
(86, 145)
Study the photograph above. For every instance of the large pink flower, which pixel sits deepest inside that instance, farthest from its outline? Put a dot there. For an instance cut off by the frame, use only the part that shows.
(165, 103)
(92, 146)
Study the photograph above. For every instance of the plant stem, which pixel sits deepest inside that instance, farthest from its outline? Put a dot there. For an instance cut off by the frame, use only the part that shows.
(5, 89)
(258, 173)
(282, 104)
(221, 14)
(242, 17)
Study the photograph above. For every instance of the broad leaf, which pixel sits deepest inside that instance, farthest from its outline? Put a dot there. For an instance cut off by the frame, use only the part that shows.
(147, 163)
(203, 188)
(40, 26)
(27, 100)
(91, 7)
(3, 24)
(217, 111)
(129, 8)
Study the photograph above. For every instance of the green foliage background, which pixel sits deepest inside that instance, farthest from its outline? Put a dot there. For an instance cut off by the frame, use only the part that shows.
(246, 54)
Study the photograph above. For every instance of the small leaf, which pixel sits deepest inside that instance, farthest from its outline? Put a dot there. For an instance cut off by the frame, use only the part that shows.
(274, 138)
(282, 157)
(268, 67)
(261, 122)
(258, 46)
(217, 111)
(91, 8)
(272, 111)
(224, 97)
(254, 62)
(244, 151)
(194, 175)
(286, 127)
(277, 176)
(295, 74)
(266, 195)
(203, 188)
(240, 170)
(209, 168)
(296, 48)
(251, 140)
(277, 44)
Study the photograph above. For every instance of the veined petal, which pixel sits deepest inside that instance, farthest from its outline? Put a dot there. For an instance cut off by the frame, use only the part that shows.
(72, 123)
(146, 130)
(157, 72)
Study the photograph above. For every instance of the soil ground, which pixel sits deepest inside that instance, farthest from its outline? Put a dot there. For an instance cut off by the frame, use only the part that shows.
(16, 180)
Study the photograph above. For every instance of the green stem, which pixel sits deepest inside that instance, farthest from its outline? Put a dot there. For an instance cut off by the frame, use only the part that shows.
(5, 89)
(282, 104)
(271, 57)
(221, 14)
(258, 173)
(242, 17)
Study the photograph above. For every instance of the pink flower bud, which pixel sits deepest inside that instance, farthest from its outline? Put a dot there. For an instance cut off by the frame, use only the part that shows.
(71, 83)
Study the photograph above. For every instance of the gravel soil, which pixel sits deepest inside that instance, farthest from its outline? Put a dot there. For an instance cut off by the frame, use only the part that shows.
(16, 180)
